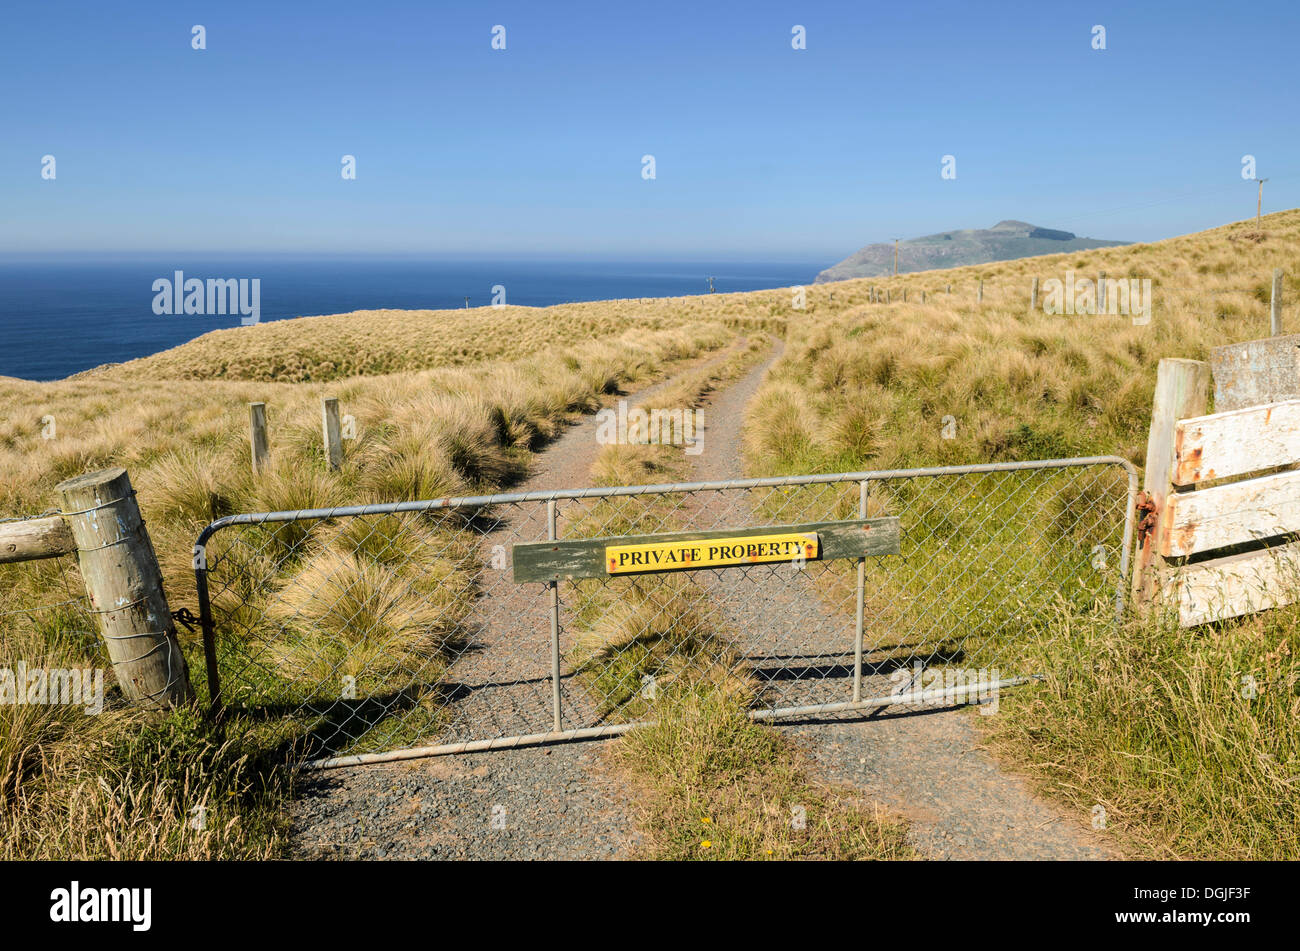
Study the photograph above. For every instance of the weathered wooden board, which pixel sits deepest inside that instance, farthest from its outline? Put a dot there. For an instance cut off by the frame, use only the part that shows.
(1182, 390)
(1236, 442)
(35, 538)
(1236, 585)
(1231, 514)
(1255, 372)
(585, 558)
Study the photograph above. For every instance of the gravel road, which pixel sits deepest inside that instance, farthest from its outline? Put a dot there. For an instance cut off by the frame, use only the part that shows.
(924, 763)
(555, 801)
(559, 802)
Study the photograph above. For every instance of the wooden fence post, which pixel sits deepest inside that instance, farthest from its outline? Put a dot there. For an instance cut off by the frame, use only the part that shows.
(261, 450)
(1182, 390)
(949, 288)
(1275, 304)
(922, 297)
(332, 431)
(125, 587)
(1033, 295)
(1101, 292)
(979, 297)
(889, 295)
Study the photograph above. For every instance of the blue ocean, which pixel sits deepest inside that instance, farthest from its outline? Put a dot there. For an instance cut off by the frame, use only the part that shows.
(59, 316)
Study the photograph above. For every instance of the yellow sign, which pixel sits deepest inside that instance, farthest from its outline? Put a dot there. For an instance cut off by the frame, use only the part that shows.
(719, 552)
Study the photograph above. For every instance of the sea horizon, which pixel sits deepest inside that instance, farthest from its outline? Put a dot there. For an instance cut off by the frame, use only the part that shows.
(64, 314)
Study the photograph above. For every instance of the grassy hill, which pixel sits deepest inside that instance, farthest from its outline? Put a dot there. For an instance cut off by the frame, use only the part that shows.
(1143, 723)
(453, 401)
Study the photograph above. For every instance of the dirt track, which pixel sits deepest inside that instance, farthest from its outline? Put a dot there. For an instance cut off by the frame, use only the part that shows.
(559, 802)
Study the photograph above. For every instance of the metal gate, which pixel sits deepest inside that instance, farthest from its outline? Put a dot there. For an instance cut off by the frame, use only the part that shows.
(362, 633)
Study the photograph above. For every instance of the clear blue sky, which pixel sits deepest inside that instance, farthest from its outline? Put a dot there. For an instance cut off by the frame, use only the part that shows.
(762, 151)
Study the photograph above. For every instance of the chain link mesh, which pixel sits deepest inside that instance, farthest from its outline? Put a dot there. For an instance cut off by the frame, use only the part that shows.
(350, 632)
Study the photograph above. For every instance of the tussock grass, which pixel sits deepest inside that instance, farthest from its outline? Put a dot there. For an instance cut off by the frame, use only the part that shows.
(1187, 739)
(1145, 720)
(378, 600)
(139, 787)
(715, 785)
(866, 385)
(453, 402)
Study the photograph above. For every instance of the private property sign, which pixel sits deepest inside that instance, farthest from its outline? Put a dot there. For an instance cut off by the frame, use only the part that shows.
(714, 553)
(691, 551)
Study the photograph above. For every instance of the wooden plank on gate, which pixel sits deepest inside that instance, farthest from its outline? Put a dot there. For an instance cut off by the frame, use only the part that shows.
(586, 558)
(1236, 442)
(1255, 372)
(1231, 514)
(1236, 585)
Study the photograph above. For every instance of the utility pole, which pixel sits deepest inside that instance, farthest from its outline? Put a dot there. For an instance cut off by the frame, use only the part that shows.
(895, 257)
(1259, 203)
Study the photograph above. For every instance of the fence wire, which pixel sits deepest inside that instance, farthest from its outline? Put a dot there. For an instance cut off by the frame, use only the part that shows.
(377, 628)
(43, 605)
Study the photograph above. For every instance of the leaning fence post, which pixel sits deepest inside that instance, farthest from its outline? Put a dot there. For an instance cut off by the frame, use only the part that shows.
(1182, 389)
(332, 431)
(258, 443)
(1033, 295)
(1275, 304)
(125, 587)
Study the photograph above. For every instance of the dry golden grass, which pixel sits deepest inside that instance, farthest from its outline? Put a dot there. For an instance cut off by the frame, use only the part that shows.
(865, 385)
(381, 342)
(419, 434)
(454, 401)
(1147, 721)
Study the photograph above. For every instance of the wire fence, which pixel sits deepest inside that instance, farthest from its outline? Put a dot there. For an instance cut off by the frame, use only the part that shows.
(43, 604)
(367, 630)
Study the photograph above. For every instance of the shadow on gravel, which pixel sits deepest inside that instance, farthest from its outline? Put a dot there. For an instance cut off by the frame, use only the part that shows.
(839, 669)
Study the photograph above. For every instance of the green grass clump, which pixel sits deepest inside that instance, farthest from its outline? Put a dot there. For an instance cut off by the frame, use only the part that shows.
(715, 785)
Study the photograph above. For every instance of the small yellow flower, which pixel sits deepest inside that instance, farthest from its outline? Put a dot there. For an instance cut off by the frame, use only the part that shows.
(706, 844)
(706, 820)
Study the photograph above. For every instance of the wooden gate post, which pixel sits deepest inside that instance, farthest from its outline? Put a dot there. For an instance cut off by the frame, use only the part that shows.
(125, 587)
(1033, 295)
(1182, 390)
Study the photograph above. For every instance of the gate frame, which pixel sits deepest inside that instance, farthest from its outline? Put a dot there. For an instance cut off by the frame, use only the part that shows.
(552, 496)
